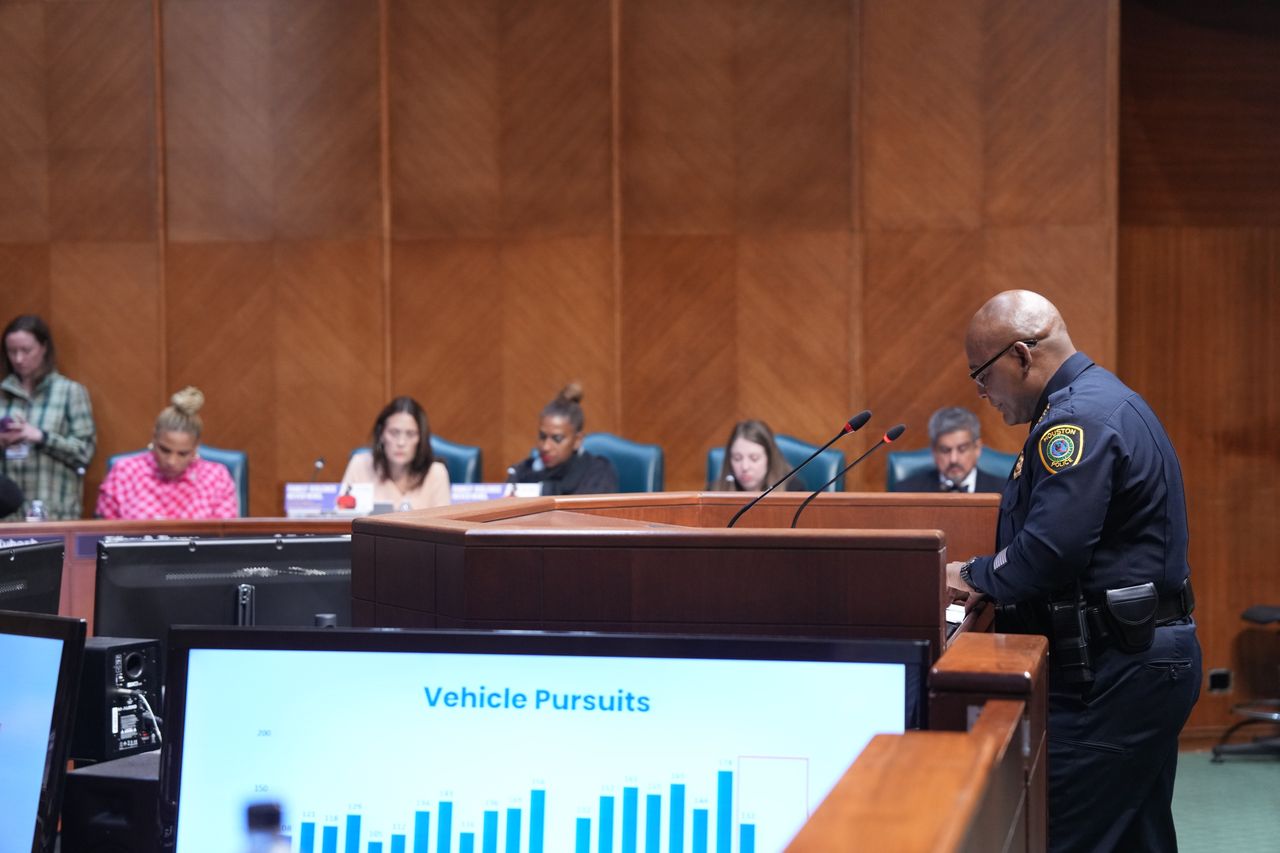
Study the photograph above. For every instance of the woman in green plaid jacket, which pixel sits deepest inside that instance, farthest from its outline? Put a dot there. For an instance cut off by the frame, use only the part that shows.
(46, 422)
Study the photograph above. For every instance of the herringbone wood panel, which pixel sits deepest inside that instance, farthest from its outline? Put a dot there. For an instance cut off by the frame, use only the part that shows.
(679, 345)
(1050, 151)
(556, 327)
(101, 120)
(325, 108)
(218, 120)
(24, 278)
(922, 113)
(220, 331)
(446, 118)
(109, 334)
(793, 133)
(24, 155)
(446, 324)
(556, 123)
(677, 135)
(328, 349)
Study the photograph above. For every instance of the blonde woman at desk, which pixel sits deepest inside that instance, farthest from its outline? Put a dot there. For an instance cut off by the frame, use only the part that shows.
(401, 466)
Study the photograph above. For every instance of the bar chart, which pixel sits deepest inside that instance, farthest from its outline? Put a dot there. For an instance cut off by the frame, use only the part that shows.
(427, 754)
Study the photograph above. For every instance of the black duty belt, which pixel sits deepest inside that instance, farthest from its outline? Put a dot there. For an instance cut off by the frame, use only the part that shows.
(1171, 607)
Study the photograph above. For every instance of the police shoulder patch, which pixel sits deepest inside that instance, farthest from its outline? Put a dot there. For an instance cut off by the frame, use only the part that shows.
(1061, 446)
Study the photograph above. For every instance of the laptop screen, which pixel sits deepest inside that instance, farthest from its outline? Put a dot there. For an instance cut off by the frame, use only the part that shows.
(453, 741)
(41, 664)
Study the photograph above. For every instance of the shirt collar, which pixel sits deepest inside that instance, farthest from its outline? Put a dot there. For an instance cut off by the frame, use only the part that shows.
(1065, 374)
(13, 385)
(967, 484)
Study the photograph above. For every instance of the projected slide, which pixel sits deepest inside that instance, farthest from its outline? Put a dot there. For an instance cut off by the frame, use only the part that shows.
(416, 753)
(26, 714)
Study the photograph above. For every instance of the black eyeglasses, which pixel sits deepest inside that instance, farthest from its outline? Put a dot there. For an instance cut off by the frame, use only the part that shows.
(974, 375)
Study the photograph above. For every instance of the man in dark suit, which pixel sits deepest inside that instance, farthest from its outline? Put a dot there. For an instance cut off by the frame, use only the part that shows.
(955, 437)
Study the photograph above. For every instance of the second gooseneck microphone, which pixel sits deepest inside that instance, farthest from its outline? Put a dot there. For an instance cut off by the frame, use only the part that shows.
(889, 437)
(854, 424)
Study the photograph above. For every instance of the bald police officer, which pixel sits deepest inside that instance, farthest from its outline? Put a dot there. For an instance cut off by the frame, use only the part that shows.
(1091, 551)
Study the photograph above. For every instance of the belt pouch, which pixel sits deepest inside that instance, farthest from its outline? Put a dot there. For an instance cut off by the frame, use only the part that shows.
(1131, 615)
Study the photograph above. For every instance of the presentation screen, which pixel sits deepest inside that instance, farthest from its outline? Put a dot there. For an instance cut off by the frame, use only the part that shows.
(41, 664)
(452, 741)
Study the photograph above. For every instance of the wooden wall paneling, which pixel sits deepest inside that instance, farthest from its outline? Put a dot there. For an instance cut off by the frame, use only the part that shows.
(557, 326)
(445, 116)
(101, 124)
(793, 72)
(677, 117)
(679, 348)
(921, 121)
(1050, 105)
(792, 321)
(325, 110)
(24, 156)
(920, 289)
(1199, 115)
(219, 163)
(220, 331)
(556, 120)
(106, 321)
(24, 279)
(328, 353)
(446, 328)
(1073, 266)
(1222, 412)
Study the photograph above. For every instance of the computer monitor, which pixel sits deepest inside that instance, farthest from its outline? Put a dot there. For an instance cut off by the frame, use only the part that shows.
(146, 585)
(31, 577)
(41, 663)
(406, 740)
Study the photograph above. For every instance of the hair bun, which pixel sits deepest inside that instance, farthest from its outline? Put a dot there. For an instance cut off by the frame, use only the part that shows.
(188, 401)
(571, 392)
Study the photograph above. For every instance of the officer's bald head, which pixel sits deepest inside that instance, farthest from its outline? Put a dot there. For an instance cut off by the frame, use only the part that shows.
(1013, 320)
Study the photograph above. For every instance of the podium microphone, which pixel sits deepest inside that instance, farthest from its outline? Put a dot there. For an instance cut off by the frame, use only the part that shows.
(889, 437)
(317, 467)
(854, 424)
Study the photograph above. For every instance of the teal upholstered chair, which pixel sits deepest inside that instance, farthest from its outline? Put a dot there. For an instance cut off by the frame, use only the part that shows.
(639, 466)
(905, 463)
(464, 462)
(796, 451)
(237, 462)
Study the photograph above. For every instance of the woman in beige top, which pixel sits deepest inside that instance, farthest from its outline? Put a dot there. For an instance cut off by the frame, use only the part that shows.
(401, 467)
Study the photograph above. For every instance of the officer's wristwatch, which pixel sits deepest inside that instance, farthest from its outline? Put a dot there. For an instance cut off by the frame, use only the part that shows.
(964, 574)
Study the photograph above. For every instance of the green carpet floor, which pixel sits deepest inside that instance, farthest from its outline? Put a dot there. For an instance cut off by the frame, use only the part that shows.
(1233, 806)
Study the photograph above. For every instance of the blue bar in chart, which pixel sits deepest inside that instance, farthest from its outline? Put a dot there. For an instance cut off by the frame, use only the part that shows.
(630, 806)
(606, 825)
(307, 839)
(489, 842)
(329, 840)
(443, 842)
(513, 831)
(676, 833)
(421, 831)
(375, 847)
(724, 811)
(583, 835)
(397, 844)
(537, 820)
(747, 838)
(699, 831)
(466, 842)
(652, 822)
(353, 833)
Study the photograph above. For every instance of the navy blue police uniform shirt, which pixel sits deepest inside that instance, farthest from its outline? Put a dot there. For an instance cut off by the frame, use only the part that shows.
(1096, 496)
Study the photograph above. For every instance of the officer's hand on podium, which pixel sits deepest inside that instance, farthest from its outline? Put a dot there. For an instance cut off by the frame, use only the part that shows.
(956, 586)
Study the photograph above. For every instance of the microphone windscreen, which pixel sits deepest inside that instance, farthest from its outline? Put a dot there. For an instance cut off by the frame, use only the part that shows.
(895, 433)
(858, 421)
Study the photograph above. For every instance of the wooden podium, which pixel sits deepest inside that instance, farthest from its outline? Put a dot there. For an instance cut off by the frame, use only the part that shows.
(861, 565)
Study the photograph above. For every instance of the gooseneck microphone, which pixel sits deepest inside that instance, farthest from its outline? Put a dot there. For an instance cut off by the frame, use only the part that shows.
(854, 424)
(316, 468)
(889, 437)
